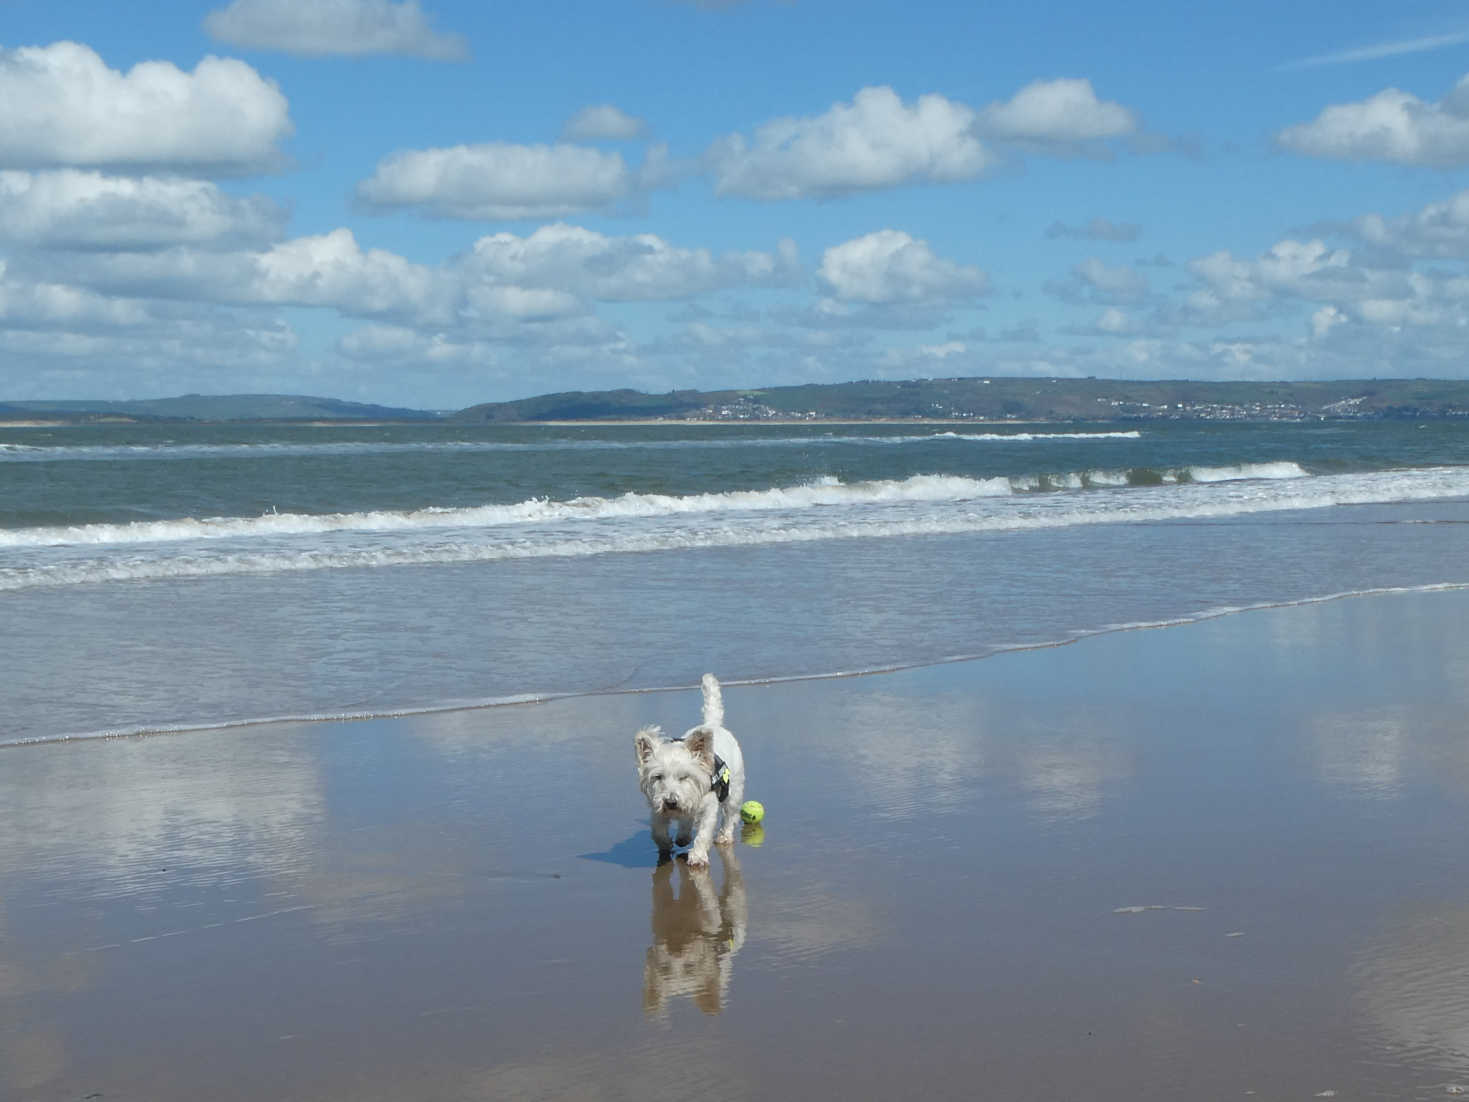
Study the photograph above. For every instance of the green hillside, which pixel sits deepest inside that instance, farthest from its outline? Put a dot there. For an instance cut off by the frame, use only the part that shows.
(997, 399)
(222, 407)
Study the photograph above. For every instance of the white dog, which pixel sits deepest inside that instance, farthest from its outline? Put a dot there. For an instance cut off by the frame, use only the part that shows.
(691, 781)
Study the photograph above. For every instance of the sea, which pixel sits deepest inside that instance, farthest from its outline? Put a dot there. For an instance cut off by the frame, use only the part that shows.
(177, 577)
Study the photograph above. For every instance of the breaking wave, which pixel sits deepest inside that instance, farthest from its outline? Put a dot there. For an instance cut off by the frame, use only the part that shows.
(640, 523)
(821, 492)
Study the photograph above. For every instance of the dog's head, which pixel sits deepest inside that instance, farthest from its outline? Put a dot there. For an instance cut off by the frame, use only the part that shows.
(674, 775)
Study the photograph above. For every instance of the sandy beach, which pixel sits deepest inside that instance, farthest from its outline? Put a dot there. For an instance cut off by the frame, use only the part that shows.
(1220, 860)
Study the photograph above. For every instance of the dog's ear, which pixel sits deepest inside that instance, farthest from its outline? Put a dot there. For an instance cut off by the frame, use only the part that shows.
(700, 742)
(645, 740)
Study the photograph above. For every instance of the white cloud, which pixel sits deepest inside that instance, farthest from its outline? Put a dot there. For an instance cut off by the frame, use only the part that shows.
(1064, 110)
(1114, 322)
(1324, 320)
(1439, 229)
(1287, 267)
(889, 266)
(331, 269)
(1111, 322)
(1095, 282)
(60, 105)
(875, 141)
(327, 270)
(59, 341)
(498, 180)
(551, 274)
(35, 305)
(878, 141)
(1393, 125)
(604, 122)
(946, 357)
(573, 337)
(1293, 273)
(1383, 49)
(496, 361)
(638, 267)
(334, 27)
(1395, 313)
(402, 345)
(69, 208)
(500, 301)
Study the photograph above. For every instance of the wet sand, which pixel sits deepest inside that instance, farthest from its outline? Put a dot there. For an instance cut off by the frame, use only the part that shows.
(1222, 860)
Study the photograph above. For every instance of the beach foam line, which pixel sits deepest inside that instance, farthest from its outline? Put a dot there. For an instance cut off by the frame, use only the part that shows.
(820, 492)
(528, 698)
(880, 515)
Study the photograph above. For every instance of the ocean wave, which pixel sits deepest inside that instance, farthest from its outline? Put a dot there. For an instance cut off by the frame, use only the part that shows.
(820, 492)
(823, 491)
(829, 510)
(1026, 437)
(1243, 470)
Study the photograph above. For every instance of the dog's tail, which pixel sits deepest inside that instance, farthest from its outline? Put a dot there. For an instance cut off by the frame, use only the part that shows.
(713, 702)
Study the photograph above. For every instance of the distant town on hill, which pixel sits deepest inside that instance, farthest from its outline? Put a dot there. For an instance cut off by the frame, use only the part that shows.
(957, 399)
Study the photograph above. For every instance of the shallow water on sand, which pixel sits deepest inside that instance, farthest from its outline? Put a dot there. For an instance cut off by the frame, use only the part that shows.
(1191, 862)
(157, 577)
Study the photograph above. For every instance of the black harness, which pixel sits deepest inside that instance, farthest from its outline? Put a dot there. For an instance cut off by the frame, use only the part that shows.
(719, 782)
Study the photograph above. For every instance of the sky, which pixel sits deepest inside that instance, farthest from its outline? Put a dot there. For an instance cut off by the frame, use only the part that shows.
(434, 203)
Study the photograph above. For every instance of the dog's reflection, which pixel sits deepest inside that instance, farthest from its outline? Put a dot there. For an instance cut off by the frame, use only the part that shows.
(696, 934)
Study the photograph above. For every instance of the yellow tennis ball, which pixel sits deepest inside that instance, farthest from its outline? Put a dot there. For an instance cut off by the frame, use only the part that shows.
(752, 811)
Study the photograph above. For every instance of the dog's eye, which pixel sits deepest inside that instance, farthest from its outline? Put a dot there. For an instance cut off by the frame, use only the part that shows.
(657, 776)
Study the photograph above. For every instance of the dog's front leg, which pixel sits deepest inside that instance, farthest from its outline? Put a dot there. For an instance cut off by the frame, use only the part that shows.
(661, 838)
(730, 808)
(704, 831)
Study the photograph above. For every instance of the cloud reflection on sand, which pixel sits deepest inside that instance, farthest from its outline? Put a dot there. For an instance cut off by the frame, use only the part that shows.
(127, 810)
(1363, 753)
(1067, 778)
(130, 840)
(927, 754)
(1412, 987)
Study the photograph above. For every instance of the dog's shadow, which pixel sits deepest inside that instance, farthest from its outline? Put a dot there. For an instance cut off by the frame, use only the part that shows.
(634, 852)
(696, 933)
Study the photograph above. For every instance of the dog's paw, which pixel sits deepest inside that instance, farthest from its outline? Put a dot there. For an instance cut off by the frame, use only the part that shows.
(724, 837)
(698, 860)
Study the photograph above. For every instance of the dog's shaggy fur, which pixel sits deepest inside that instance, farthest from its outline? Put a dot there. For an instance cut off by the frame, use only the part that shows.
(677, 779)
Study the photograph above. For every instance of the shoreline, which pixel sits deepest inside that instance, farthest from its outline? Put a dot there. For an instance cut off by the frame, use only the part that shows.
(533, 698)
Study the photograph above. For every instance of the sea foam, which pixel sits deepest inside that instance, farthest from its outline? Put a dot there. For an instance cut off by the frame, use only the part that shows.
(827, 509)
(819, 492)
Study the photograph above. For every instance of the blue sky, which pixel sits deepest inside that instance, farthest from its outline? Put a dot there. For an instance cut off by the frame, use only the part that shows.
(439, 203)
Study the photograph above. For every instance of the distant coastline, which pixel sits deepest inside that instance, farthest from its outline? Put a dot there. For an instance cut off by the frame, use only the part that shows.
(985, 400)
